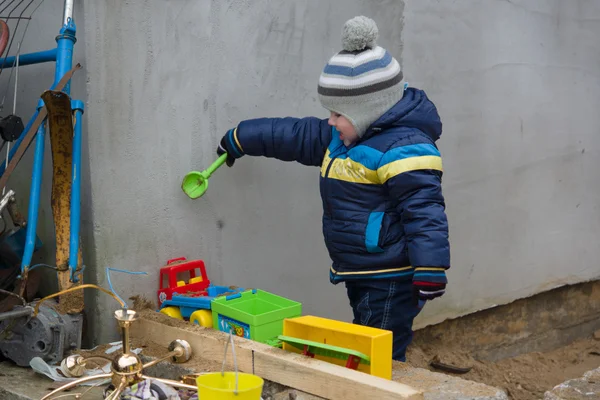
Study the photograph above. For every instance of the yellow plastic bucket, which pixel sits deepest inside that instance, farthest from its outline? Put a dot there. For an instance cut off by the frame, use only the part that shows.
(217, 386)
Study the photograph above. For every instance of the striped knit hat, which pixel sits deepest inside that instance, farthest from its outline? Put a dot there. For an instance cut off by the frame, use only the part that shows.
(362, 81)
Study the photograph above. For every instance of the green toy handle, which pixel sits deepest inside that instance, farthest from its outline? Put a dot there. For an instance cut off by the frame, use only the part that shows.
(214, 166)
(195, 183)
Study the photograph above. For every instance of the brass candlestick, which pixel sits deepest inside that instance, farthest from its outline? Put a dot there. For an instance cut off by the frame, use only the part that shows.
(126, 368)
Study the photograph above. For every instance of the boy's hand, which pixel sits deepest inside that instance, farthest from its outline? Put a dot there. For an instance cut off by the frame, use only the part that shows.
(229, 144)
(423, 291)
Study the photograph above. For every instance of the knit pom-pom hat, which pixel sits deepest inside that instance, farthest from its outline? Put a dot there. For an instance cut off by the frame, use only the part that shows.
(362, 81)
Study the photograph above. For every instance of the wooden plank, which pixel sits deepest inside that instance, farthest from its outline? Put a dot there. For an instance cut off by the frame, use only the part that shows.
(290, 369)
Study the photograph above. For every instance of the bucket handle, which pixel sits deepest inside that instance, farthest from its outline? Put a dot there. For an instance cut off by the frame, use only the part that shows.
(234, 360)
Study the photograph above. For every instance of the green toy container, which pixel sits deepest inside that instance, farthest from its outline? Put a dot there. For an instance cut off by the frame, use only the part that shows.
(253, 314)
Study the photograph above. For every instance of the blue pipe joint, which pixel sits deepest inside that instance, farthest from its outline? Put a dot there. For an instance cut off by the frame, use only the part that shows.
(68, 31)
(64, 57)
(78, 105)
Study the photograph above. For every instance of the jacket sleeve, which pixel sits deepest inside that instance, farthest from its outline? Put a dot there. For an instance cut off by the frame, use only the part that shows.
(304, 140)
(412, 174)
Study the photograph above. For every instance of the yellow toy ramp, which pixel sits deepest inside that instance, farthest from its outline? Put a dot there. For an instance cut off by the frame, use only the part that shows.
(373, 342)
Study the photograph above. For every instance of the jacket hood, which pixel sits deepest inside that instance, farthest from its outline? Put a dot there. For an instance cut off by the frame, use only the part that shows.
(414, 110)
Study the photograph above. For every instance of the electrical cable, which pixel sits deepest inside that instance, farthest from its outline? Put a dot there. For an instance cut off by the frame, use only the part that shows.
(108, 269)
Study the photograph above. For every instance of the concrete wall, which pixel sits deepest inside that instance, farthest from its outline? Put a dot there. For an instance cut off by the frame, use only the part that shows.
(516, 84)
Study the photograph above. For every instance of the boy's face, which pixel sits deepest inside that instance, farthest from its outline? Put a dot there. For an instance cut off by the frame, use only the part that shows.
(348, 134)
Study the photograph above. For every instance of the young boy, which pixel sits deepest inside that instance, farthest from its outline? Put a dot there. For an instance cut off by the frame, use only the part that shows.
(384, 218)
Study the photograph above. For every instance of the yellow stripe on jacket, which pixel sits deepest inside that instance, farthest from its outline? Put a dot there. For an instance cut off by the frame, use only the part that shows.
(381, 271)
(398, 167)
(348, 170)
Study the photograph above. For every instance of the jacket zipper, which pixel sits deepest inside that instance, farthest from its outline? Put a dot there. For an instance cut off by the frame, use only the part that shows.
(327, 186)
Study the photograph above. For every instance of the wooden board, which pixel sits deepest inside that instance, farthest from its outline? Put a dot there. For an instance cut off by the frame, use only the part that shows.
(60, 126)
(290, 369)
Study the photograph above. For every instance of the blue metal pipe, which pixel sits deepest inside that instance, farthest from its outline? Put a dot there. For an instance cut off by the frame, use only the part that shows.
(64, 56)
(34, 195)
(64, 60)
(29, 58)
(77, 106)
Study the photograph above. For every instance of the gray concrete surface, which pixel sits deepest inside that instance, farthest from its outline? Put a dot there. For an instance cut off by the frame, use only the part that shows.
(515, 82)
(24, 384)
(586, 387)
(436, 386)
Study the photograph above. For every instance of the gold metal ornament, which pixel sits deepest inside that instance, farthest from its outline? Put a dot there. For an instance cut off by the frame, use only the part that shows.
(126, 368)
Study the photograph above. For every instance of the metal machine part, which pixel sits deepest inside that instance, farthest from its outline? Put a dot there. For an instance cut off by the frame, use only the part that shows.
(9, 202)
(73, 366)
(16, 313)
(48, 335)
(15, 214)
(67, 11)
(11, 127)
(8, 197)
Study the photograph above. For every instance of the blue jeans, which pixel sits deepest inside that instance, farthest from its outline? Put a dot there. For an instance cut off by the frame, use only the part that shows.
(386, 305)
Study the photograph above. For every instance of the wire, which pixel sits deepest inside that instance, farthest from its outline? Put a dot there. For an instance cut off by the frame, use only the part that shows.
(15, 31)
(14, 295)
(16, 81)
(19, 18)
(42, 265)
(9, 4)
(95, 385)
(37, 266)
(73, 394)
(48, 266)
(14, 107)
(234, 359)
(73, 289)
(74, 279)
(108, 269)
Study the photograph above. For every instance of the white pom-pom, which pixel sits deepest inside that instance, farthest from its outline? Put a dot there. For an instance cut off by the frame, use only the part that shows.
(359, 33)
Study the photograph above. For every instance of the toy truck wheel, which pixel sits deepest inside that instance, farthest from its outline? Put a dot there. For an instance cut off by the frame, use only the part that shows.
(172, 312)
(202, 318)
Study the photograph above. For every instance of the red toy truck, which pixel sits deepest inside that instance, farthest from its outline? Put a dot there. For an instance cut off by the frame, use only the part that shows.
(181, 276)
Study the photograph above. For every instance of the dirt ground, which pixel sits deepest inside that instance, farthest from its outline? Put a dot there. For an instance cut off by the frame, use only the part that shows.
(525, 377)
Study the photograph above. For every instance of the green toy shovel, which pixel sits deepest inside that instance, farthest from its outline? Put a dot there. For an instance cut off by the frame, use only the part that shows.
(195, 183)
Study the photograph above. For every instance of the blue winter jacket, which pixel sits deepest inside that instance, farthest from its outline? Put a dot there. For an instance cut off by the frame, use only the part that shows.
(383, 209)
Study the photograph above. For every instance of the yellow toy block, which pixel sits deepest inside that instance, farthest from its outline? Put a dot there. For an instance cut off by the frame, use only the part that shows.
(180, 283)
(374, 343)
(197, 279)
